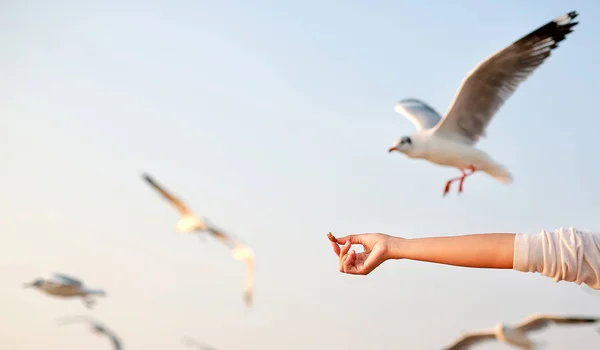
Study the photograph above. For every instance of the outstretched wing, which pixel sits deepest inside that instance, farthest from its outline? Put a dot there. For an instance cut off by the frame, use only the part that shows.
(418, 112)
(116, 341)
(466, 341)
(538, 322)
(219, 234)
(493, 81)
(96, 327)
(64, 279)
(249, 280)
(240, 252)
(181, 207)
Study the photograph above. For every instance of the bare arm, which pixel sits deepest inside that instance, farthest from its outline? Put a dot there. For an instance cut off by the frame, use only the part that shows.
(492, 250)
(564, 255)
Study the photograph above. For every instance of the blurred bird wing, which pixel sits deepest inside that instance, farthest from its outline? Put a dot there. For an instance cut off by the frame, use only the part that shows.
(59, 278)
(538, 322)
(242, 252)
(176, 202)
(225, 238)
(249, 280)
(418, 112)
(469, 339)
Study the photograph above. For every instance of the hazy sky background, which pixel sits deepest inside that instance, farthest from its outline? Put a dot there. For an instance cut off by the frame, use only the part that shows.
(273, 119)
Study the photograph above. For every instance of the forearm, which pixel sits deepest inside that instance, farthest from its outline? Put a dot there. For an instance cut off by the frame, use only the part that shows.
(493, 250)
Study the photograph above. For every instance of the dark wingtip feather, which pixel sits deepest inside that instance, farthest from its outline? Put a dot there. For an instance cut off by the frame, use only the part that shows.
(557, 29)
(147, 177)
(573, 14)
(584, 319)
(410, 99)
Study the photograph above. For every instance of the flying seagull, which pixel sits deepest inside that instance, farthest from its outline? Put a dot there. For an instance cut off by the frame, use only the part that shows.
(450, 140)
(517, 335)
(189, 223)
(96, 328)
(61, 285)
(196, 344)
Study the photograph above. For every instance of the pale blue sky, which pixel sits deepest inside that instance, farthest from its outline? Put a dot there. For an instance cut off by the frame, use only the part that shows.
(274, 121)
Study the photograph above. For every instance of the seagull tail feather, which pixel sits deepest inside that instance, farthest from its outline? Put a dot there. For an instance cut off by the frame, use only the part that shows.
(499, 173)
(99, 292)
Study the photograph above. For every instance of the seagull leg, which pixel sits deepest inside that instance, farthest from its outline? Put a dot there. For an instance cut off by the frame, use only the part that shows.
(449, 182)
(462, 178)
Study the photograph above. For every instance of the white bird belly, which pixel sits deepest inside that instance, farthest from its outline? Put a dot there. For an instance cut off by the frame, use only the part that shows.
(518, 339)
(454, 154)
(59, 290)
(189, 224)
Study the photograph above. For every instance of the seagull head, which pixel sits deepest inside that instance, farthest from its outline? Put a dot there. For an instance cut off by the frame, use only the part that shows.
(404, 144)
(37, 283)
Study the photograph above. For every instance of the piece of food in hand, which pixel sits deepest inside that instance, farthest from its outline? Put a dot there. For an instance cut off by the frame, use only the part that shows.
(332, 238)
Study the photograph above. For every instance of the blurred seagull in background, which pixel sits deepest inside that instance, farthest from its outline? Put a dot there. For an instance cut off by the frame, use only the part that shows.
(517, 335)
(61, 285)
(449, 141)
(96, 328)
(189, 223)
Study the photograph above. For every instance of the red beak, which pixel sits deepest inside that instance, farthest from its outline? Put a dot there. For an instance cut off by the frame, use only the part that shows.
(392, 149)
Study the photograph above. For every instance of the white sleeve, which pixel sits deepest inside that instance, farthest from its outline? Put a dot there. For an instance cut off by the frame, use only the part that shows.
(564, 255)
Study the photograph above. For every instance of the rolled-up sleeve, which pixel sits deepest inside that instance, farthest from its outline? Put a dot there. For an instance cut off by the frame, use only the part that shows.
(564, 255)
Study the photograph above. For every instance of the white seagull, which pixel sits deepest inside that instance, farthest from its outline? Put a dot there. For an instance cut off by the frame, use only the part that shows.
(189, 223)
(517, 335)
(449, 141)
(61, 285)
(96, 328)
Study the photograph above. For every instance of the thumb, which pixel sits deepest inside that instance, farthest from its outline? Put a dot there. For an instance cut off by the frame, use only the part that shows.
(353, 239)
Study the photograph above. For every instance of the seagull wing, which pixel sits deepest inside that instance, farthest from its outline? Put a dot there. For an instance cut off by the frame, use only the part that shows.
(116, 341)
(181, 207)
(64, 279)
(418, 112)
(229, 240)
(485, 89)
(469, 339)
(241, 252)
(249, 280)
(538, 322)
(96, 326)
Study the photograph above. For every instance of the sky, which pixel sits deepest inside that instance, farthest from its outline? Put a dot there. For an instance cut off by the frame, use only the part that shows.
(273, 119)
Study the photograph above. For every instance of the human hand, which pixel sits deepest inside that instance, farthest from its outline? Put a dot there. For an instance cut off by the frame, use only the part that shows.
(376, 247)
